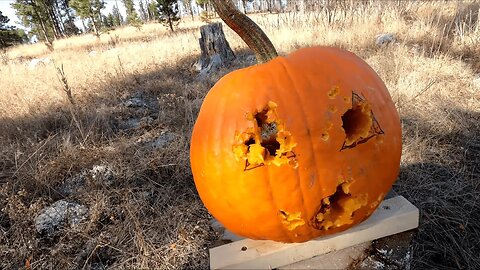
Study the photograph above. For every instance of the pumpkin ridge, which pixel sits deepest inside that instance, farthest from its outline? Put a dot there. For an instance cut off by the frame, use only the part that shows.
(276, 207)
(304, 117)
(275, 96)
(217, 135)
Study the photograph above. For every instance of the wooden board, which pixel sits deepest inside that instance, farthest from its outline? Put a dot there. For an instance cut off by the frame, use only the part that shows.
(393, 216)
(340, 259)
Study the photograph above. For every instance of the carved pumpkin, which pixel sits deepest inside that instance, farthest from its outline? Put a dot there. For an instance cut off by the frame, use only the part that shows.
(298, 147)
(302, 146)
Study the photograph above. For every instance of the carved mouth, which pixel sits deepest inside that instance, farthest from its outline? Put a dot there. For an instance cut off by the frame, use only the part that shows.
(338, 209)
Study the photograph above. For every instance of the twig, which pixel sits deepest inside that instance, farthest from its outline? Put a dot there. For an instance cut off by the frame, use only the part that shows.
(66, 88)
(91, 254)
(63, 80)
(430, 84)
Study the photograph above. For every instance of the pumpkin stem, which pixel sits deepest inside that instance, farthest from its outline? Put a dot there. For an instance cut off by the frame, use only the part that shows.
(247, 29)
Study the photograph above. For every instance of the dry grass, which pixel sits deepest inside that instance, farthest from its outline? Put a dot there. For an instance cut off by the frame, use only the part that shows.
(147, 214)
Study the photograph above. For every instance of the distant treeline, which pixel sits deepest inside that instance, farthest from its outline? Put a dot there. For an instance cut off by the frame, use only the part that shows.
(48, 20)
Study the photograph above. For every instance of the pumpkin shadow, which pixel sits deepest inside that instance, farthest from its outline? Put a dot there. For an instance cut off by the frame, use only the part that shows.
(445, 187)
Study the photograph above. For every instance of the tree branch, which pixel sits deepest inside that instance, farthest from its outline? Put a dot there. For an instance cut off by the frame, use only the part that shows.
(247, 29)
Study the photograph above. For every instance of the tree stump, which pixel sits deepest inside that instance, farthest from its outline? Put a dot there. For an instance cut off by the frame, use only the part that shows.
(216, 51)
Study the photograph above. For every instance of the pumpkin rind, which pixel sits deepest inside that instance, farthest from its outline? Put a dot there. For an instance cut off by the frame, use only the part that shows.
(325, 181)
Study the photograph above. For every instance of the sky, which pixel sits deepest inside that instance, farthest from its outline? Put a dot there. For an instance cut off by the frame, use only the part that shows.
(8, 11)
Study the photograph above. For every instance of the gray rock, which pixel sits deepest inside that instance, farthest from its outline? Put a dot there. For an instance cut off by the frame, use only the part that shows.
(58, 215)
(136, 102)
(133, 123)
(38, 61)
(130, 123)
(73, 184)
(163, 140)
(102, 173)
(384, 39)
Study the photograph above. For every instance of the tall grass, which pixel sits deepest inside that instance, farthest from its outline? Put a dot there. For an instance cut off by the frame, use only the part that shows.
(57, 124)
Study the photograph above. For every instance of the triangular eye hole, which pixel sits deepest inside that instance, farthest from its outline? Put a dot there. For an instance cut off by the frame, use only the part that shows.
(374, 130)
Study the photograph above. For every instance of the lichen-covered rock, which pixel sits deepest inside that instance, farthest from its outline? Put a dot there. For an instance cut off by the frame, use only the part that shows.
(384, 39)
(58, 215)
(134, 123)
(136, 102)
(73, 184)
(102, 173)
(163, 140)
(37, 62)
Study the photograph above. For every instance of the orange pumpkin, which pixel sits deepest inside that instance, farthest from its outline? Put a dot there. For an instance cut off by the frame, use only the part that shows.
(301, 146)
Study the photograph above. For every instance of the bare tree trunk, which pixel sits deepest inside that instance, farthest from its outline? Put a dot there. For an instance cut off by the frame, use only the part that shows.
(170, 24)
(48, 8)
(44, 28)
(94, 24)
(55, 25)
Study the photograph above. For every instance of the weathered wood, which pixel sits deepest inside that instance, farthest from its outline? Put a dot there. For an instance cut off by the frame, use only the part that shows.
(215, 50)
(393, 216)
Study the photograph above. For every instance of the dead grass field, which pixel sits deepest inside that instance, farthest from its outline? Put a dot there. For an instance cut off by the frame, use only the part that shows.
(120, 145)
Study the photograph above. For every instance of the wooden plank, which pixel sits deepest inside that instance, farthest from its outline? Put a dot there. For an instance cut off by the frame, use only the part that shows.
(393, 216)
(339, 259)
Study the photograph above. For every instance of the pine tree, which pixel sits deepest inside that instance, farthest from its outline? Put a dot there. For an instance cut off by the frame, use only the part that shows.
(67, 17)
(47, 19)
(168, 10)
(89, 9)
(153, 11)
(33, 15)
(9, 36)
(111, 20)
(117, 16)
(132, 16)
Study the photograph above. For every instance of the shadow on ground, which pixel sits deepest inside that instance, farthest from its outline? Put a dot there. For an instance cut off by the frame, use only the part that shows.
(146, 212)
(122, 153)
(445, 187)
